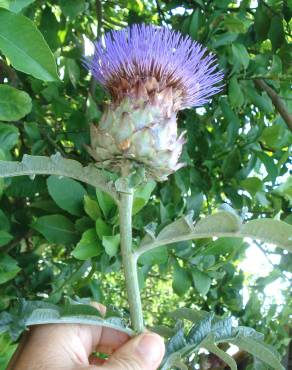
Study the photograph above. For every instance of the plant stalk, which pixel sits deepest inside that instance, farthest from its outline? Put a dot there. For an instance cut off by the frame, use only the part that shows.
(129, 260)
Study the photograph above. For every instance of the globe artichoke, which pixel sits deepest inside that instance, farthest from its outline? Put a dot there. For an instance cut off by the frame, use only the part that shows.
(151, 73)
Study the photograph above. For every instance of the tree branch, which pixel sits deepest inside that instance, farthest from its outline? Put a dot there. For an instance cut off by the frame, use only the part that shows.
(98, 7)
(160, 12)
(57, 165)
(5, 70)
(53, 143)
(99, 14)
(277, 102)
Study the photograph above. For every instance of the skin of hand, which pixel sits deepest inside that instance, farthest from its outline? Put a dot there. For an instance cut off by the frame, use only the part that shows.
(68, 347)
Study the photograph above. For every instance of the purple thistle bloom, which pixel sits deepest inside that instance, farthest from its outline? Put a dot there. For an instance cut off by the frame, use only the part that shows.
(162, 56)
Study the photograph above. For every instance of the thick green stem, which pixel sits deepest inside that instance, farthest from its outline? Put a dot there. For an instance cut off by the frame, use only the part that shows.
(129, 260)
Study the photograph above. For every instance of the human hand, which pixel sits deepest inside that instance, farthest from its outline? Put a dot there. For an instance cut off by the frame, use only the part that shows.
(68, 347)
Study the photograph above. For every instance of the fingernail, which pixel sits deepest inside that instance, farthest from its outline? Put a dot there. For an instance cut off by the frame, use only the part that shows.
(150, 347)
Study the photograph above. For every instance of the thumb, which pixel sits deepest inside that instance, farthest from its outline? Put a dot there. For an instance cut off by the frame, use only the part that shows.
(144, 352)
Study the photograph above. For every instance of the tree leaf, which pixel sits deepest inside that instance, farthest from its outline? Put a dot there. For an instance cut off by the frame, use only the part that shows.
(181, 280)
(262, 101)
(72, 8)
(253, 185)
(275, 136)
(262, 22)
(17, 5)
(8, 268)
(67, 193)
(4, 4)
(8, 136)
(73, 71)
(235, 94)
(276, 32)
(102, 228)
(189, 314)
(223, 246)
(195, 24)
(232, 120)
(5, 237)
(155, 256)
(89, 246)
(271, 167)
(240, 54)
(105, 202)
(231, 163)
(76, 309)
(111, 244)
(56, 229)
(4, 221)
(25, 46)
(142, 195)
(91, 207)
(223, 39)
(14, 104)
(234, 24)
(202, 281)
(285, 190)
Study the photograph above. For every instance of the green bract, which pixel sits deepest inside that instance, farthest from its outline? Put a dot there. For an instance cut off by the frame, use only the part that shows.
(139, 133)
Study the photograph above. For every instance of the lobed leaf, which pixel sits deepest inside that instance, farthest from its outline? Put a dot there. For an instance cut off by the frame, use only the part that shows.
(258, 349)
(221, 224)
(270, 231)
(56, 165)
(210, 330)
(30, 313)
(211, 347)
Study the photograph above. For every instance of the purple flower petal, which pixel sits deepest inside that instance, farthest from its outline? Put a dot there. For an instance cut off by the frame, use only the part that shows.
(143, 51)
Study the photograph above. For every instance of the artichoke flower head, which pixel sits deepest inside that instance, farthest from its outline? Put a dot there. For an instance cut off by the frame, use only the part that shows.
(151, 73)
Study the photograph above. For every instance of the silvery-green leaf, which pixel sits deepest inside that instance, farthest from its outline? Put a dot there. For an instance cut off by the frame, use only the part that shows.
(200, 330)
(270, 231)
(259, 349)
(211, 347)
(56, 165)
(177, 228)
(219, 222)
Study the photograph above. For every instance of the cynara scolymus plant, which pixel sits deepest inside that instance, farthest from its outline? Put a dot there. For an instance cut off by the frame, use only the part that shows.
(151, 73)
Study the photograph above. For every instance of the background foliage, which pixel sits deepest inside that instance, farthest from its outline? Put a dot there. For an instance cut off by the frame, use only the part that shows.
(59, 238)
